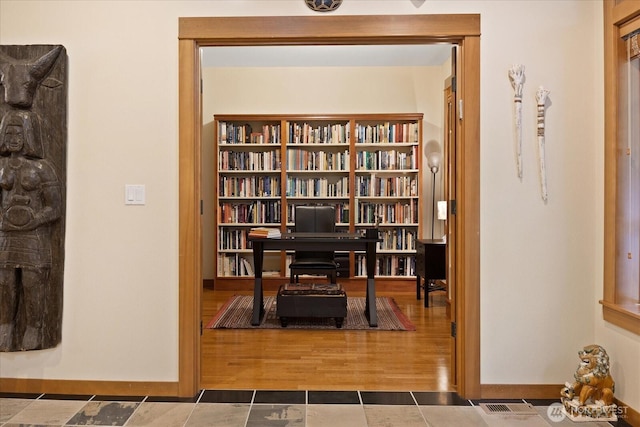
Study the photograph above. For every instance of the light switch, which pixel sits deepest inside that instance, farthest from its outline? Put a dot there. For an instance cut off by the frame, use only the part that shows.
(134, 194)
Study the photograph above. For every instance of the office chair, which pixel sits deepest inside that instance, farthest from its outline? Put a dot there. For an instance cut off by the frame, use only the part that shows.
(314, 219)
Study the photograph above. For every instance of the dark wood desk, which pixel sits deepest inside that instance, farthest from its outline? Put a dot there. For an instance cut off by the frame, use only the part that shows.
(431, 264)
(316, 242)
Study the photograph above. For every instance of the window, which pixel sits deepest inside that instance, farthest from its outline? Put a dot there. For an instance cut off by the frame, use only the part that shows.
(628, 182)
(621, 299)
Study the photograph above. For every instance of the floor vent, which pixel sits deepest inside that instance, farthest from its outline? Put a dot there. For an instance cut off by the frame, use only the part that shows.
(509, 408)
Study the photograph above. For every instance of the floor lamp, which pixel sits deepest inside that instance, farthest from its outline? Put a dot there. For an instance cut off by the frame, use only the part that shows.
(433, 161)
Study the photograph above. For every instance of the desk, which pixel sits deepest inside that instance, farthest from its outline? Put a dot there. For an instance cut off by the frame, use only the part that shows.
(431, 264)
(316, 242)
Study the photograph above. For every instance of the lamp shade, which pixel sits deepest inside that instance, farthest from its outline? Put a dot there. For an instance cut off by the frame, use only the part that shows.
(433, 161)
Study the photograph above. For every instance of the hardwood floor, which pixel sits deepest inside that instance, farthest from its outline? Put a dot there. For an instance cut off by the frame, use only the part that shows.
(330, 360)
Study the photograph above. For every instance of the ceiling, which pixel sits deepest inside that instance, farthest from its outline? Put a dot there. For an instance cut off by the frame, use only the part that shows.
(326, 56)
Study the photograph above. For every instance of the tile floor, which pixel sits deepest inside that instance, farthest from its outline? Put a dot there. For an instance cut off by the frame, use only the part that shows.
(262, 408)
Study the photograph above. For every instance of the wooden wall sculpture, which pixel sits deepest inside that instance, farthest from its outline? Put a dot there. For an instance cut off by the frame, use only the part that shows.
(33, 147)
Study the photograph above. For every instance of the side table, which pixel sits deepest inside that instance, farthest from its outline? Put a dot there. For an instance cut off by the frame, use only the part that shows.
(431, 264)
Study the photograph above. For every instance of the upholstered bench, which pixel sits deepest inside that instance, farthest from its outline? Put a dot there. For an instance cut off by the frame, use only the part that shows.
(311, 300)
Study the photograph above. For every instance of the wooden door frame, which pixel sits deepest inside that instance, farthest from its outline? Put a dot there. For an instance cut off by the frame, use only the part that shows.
(449, 148)
(461, 29)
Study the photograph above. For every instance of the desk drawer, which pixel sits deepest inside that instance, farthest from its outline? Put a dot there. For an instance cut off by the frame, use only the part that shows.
(343, 266)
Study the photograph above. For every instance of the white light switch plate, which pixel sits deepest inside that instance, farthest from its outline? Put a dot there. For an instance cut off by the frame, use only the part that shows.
(134, 194)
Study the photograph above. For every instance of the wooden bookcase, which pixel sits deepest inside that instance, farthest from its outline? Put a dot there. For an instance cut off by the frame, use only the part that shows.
(366, 165)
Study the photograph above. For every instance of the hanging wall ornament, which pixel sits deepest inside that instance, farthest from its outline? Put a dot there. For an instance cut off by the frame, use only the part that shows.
(33, 173)
(323, 5)
(541, 98)
(516, 75)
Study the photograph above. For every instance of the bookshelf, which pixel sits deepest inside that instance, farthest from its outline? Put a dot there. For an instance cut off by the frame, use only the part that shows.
(366, 165)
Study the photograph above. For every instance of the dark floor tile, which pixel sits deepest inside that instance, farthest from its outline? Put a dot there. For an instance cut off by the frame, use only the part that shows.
(226, 396)
(9, 395)
(173, 399)
(100, 398)
(334, 397)
(439, 398)
(542, 402)
(51, 396)
(283, 397)
(387, 398)
(620, 423)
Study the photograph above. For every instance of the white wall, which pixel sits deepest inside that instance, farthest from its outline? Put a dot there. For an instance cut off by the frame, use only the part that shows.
(541, 264)
(278, 90)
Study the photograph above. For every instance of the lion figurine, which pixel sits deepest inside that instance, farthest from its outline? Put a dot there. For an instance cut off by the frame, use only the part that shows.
(592, 379)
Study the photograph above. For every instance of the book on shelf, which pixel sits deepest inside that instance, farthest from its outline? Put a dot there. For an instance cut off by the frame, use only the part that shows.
(248, 268)
(264, 232)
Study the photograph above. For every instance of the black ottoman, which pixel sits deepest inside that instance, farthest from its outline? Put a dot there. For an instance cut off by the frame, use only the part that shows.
(311, 300)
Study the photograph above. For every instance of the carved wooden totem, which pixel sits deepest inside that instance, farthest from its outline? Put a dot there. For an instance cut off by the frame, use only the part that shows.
(33, 147)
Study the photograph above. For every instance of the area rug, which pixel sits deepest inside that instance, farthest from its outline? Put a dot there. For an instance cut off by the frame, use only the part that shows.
(236, 314)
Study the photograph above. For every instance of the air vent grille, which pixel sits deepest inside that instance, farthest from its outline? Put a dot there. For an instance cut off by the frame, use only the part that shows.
(509, 408)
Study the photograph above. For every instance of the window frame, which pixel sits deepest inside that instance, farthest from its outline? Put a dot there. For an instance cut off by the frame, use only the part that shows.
(621, 17)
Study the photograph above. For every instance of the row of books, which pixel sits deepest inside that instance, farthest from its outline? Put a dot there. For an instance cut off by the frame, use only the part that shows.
(387, 213)
(394, 186)
(235, 265)
(398, 239)
(230, 265)
(305, 133)
(298, 159)
(317, 187)
(233, 239)
(237, 238)
(234, 133)
(260, 211)
(249, 186)
(387, 265)
(269, 211)
(249, 160)
(387, 133)
(387, 159)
